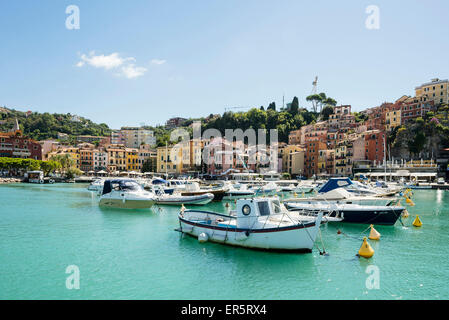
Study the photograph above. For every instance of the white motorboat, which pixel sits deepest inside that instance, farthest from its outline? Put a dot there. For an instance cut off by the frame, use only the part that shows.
(235, 192)
(258, 223)
(340, 195)
(270, 188)
(126, 193)
(305, 188)
(176, 199)
(96, 185)
(353, 213)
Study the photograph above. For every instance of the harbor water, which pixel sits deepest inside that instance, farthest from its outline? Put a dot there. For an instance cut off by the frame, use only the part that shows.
(137, 254)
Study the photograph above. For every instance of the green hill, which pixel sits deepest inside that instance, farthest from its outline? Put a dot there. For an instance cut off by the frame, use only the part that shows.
(40, 126)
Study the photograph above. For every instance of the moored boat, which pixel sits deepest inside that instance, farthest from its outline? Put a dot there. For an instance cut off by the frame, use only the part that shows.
(352, 213)
(193, 189)
(258, 223)
(127, 194)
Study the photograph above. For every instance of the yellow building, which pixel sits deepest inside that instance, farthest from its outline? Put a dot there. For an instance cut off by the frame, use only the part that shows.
(75, 154)
(436, 90)
(168, 161)
(296, 167)
(340, 159)
(132, 159)
(322, 157)
(392, 119)
(292, 157)
(116, 158)
(196, 153)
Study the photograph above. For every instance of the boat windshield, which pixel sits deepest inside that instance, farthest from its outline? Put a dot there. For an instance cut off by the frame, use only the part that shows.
(276, 206)
(264, 208)
(126, 186)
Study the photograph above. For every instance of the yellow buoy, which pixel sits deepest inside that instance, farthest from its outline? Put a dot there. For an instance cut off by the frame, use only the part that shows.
(417, 222)
(365, 250)
(405, 214)
(303, 195)
(183, 208)
(374, 234)
(295, 194)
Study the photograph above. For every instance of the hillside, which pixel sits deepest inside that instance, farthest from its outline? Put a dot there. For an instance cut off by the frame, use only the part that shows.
(40, 126)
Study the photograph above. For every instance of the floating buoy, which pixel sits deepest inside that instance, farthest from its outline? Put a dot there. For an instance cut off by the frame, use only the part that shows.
(338, 231)
(373, 234)
(405, 214)
(417, 222)
(203, 237)
(410, 202)
(183, 208)
(295, 194)
(303, 195)
(365, 250)
(227, 205)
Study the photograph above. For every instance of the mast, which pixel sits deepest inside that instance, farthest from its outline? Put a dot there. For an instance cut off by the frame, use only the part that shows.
(385, 160)
(166, 156)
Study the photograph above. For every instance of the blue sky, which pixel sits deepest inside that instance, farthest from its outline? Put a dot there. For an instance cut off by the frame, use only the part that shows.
(134, 62)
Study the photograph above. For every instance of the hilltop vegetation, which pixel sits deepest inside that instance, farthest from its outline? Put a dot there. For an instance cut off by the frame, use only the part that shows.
(424, 137)
(40, 126)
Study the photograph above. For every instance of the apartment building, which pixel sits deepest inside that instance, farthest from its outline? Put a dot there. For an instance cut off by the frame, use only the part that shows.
(293, 159)
(312, 153)
(116, 158)
(135, 136)
(294, 137)
(436, 91)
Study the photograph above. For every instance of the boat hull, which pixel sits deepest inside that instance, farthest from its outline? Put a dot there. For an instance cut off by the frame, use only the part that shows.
(186, 200)
(386, 216)
(126, 203)
(218, 194)
(237, 195)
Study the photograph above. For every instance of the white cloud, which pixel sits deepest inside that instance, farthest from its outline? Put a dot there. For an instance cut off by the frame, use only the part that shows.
(101, 61)
(131, 71)
(113, 61)
(158, 61)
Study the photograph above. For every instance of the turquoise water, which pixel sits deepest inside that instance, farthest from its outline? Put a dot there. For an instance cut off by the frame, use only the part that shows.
(125, 254)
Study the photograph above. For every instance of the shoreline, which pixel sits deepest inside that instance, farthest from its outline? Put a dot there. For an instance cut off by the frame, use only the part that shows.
(10, 180)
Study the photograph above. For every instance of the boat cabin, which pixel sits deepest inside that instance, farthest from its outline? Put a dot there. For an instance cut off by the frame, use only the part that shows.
(35, 176)
(249, 211)
(120, 185)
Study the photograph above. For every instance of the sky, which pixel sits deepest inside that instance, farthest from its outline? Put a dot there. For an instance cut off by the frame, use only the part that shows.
(142, 62)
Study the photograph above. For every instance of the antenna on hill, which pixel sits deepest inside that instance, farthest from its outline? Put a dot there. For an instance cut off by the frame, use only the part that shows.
(315, 86)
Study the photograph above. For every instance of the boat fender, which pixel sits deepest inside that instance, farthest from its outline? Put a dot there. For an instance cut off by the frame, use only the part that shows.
(203, 237)
(374, 234)
(417, 222)
(365, 250)
(183, 208)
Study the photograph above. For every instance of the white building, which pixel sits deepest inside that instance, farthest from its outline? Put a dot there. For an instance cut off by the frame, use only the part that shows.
(100, 160)
(133, 137)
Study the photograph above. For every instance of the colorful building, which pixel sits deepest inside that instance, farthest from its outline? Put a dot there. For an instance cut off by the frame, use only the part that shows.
(436, 91)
